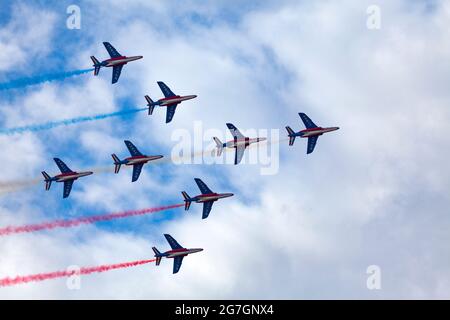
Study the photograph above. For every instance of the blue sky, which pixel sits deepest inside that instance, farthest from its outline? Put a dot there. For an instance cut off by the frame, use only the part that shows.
(373, 193)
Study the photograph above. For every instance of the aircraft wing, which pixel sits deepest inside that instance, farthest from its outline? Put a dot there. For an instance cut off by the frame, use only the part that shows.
(170, 112)
(307, 121)
(235, 132)
(62, 166)
(132, 148)
(202, 186)
(67, 188)
(116, 73)
(177, 261)
(111, 50)
(165, 89)
(172, 242)
(239, 154)
(137, 168)
(312, 143)
(207, 206)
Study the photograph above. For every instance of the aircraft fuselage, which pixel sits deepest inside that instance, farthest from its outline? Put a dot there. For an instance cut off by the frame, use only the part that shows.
(71, 176)
(211, 197)
(242, 142)
(119, 61)
(174, 100)
(140, 159)
(315, 132)
(180, 252)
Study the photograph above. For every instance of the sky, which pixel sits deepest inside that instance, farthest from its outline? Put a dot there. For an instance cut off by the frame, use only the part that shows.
(374, 194)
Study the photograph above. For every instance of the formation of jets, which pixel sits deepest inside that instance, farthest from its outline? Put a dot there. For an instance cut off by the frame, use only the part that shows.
(137, 159)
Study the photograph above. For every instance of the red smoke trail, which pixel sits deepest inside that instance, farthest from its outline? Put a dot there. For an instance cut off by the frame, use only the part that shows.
(83, 220)
(60, 274)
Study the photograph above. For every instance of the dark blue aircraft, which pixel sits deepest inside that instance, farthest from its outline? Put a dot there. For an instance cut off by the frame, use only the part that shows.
(177, 253)
(207, 198)
(312, 132)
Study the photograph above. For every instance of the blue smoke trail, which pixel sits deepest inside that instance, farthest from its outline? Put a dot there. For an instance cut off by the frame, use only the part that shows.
(25, 82)
(66, 122)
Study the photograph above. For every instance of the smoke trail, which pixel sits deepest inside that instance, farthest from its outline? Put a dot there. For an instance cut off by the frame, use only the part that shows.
(12, 186)
(17, 185)
(211, 151)
(25, 82)
(52, 124)
(5, 231)
(65, 273)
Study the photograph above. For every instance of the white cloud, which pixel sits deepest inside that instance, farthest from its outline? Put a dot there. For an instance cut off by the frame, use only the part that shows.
(374, 192)
(35, 30)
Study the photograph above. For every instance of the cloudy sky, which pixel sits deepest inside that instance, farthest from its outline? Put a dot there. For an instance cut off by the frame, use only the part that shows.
(374, 193)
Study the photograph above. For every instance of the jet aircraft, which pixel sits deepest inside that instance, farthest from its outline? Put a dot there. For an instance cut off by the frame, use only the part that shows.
(312, 132)
(117, 61)
(177, 253)
(170, 100)
(207, 197)
(239, 142)
(137, 160)
(67, 176)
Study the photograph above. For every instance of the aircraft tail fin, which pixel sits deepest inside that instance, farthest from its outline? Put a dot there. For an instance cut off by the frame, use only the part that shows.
(289, 130)
(94, 60)
(117, 163)
(291, 135)
(187, 200)
(219, 146)
(150, 104)
(96, 65)
(48, 180)
(157, 255)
